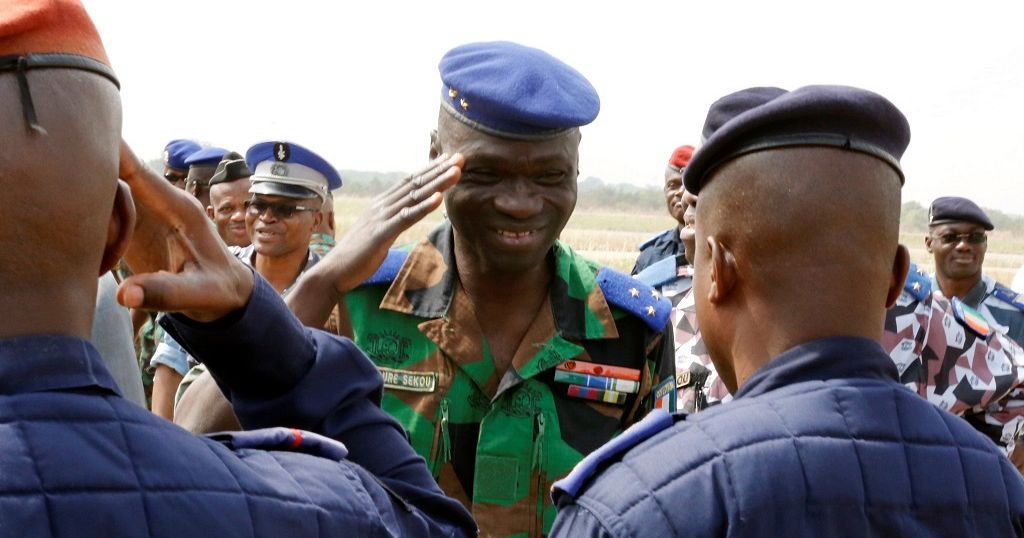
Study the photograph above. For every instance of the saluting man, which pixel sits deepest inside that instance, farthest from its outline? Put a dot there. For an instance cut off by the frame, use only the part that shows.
(506, 355)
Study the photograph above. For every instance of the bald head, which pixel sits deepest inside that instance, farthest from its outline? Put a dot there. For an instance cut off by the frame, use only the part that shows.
(58, 191)
(807, 237)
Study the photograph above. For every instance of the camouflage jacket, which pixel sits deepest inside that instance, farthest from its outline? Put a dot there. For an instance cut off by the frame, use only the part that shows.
(497, 442)
(950, 354)
(697, 383)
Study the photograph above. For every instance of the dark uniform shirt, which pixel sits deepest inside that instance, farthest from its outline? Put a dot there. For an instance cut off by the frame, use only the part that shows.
(658, 248)
(80, 460)
(820, 441)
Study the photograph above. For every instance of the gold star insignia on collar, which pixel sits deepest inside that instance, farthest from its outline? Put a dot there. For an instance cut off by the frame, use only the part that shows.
(452, 92)
(633, 292)
(650, 310)
(655, 294)
(464, 103)
(920, 272)
(917, 286)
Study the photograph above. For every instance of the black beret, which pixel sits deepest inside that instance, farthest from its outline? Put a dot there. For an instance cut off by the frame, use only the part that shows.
(230, 168)
(957, 209)
(758, 119)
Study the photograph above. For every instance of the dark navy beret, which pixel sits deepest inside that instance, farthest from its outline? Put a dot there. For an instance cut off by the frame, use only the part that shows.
(206, 157)
(512, 91)
(288, 169)
(757, 119)
(957, 209)
(176, 151)
(232, 167)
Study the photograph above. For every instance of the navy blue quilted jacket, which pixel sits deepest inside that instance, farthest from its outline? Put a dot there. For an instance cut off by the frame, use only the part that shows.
(821, 441)
(77, 459)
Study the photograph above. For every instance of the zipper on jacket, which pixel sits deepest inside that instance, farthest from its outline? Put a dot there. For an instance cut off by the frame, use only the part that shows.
(442, 443)
(539, 491)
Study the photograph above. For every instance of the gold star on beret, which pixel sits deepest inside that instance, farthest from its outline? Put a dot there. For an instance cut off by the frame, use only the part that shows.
(917, 286)
(452, 92)
(655, 294)
(464, 103)
(634, 292)
(650, 310)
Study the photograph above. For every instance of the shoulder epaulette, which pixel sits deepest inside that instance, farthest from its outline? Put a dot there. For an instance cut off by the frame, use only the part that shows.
(970, 318)
(660, 272)
(1009, 296)
(917, 284)
(389, 269)
(287, 439)
(650, 240)
(655, 421)
(634, 297)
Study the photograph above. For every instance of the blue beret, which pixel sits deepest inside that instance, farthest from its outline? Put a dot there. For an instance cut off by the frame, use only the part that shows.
(288, 169)
(512, 91)
(757, 119)
(176, 151)
(956, 209)
(206, 157)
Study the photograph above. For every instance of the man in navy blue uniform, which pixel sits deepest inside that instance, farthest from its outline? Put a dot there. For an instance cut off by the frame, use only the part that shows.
(80, 460)
(670, 242)
(820, 439)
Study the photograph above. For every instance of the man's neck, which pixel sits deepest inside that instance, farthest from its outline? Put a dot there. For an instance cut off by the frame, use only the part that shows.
(957, 287)
(281, 271)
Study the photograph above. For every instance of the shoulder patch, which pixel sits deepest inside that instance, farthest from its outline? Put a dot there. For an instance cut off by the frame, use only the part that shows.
(659, 273)
(917, 284)
(389, 269)
(635, 297)
(970, 318)
(655, 421)
(1009, 296)
(286, 439)
(650, 240)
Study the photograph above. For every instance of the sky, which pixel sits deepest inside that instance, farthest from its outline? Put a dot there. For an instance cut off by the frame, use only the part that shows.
(357, 82)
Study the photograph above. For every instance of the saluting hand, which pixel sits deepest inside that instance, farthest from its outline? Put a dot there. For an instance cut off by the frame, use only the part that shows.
(180, 263)
(359, 253)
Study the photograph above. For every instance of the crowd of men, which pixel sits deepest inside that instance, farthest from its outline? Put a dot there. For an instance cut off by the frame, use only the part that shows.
(775, 366)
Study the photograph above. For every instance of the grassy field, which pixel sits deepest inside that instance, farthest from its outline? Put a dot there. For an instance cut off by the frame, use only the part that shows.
(612, 237)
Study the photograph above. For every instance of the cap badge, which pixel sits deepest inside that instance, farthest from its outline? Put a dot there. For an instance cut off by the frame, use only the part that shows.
(279, 170)
(167, 157)
(282, 151)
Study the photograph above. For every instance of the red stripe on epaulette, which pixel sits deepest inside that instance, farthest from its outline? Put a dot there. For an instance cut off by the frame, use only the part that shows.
(297, 438)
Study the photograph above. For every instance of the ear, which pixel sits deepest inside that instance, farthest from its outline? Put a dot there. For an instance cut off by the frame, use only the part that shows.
(120, 228)
(723, 271)
(900, 267)
(318, 217)
(435, 145)
(209, 211)
(928, 243)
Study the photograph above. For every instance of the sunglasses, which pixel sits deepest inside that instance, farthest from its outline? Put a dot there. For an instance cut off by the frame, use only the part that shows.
(281, 210)
(973, 238)
(174, 178)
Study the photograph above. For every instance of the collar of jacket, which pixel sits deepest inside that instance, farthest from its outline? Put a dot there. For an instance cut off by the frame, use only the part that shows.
(425, 286)
(40, 363)
(821, 360)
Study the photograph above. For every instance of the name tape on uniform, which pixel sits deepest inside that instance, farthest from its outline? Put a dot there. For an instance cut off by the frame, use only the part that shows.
(597, 382)
(583, 367)
(407, 380)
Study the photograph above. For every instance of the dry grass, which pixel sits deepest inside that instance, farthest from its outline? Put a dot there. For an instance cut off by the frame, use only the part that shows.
(611, 237)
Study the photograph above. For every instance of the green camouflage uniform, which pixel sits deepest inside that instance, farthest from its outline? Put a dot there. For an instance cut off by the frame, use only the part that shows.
(498, 443)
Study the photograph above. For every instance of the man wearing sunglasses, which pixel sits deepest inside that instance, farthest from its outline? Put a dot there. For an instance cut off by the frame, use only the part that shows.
(175, 167)
(957, 239)
(289, 185)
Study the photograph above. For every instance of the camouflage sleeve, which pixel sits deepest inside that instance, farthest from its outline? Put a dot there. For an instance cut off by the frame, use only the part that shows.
(660, 364)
